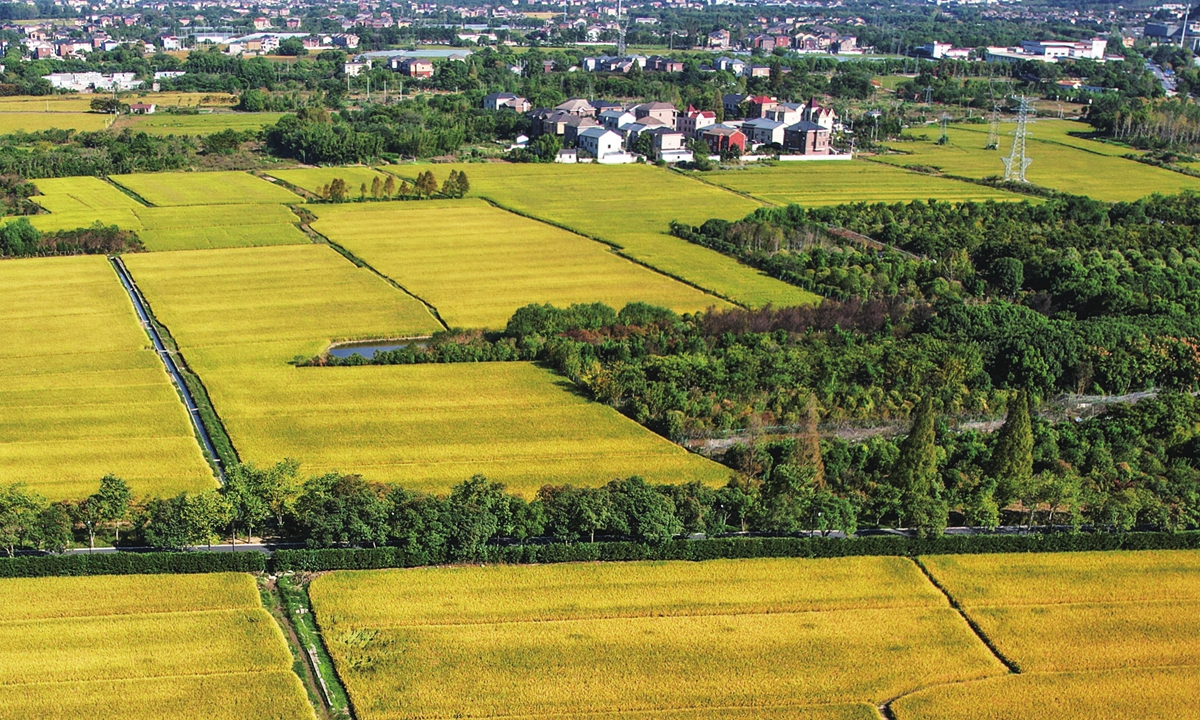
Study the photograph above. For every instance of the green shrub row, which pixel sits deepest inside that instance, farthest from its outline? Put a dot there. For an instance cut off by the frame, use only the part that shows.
(131, 563)
(728, 548)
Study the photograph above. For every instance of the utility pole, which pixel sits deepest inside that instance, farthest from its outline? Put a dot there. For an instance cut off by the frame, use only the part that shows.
(1183, 30)
(993, 141)
(1016, 162)
(620, 32)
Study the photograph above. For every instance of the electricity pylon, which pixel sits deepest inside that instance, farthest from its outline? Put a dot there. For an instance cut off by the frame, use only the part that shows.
(1016, 162)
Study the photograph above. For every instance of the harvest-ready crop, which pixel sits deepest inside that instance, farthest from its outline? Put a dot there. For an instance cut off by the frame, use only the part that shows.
(144, 646)
(477, 264)
(631, 206)
(641, 637)
(81, 392)
(205, 188)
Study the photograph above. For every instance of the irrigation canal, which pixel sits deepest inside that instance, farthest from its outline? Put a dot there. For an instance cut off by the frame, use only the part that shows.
(143, 312)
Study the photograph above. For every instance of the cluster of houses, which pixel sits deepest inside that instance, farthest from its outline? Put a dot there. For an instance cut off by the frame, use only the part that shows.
(785, 35)
(610, 132)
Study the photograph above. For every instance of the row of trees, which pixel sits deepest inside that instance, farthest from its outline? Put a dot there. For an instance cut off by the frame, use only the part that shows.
(800, 484)
(456, 185)
(19, 238)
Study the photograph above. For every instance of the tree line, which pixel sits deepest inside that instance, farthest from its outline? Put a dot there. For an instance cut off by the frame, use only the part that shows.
(19, 238)
(424, 186)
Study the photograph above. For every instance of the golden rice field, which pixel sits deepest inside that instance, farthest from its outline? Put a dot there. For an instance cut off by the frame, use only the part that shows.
(75, 202)
(1153, 694)
(204, 124)
(1094, 634)
(77, 103)
(761, 639)
(837, 182)
(241, 316)
(81, 392)
(29, 121)
(847, 181)
(313, 179)
(1107, 610)
(1097, 172)
(477, 264)
(630, 206)
(205, 188)
(194, 647)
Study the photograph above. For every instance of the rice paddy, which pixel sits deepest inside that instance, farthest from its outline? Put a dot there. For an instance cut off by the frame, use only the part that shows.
(241, 316)
(207, 188)
(12, 122)
(836, 182)
(1061, 162)
(1094, 634)
(477, 264)
(202, 124)
(630, 206)
(313, 179)
(193, 647)
(759, 638)
(81, 392)
(75, 202)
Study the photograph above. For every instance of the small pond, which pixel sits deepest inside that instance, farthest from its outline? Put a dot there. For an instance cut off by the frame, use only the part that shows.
(368, 348)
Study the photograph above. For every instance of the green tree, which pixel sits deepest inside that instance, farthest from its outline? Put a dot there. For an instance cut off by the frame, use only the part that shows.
(249, 507)
(19, 513)
(338, 509)
(389, 186)
(89, 513)
(205, 514)
(915, 474)
(1011, 463)
(113, 499)
(641, 512)
(52, 531)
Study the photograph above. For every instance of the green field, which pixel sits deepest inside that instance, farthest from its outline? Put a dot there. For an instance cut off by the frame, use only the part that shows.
(837, 182)
(81, 392)
(1058, 161)
(1095, 634)
(11, 122)
(203, 124)
(76, 202)
(191, 647)
(477, 264)
(632, 207)
(754, 638)
(313, 179)
(241, 316)
(205, 188)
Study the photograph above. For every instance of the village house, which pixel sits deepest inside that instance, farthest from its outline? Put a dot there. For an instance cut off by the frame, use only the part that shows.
(807, 138)
(786, 113)
(720, 138)
(616, 119)
(762, 131)
(142, 108)
(658, 110)
(600, 142)
(502, 101)
(693, 120)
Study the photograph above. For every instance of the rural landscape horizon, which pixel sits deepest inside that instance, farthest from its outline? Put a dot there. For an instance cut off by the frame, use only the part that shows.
(599, 359)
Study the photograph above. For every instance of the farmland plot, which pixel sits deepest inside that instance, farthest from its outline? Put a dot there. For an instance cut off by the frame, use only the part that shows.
(631, 207)
(1090, 631)
(313, 179)
(11, 122)
(192, 647)
(205, 188)
(81, 392)
(76, 202)
(837, 182)
(241, 316)
(1060, 163)
(762, 638)
(203, 124)
(477, 264)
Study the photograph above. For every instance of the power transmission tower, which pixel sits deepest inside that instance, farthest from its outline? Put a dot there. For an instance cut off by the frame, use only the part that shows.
(928, 94)
(1016, 162)
(993, 142)
(945, 138)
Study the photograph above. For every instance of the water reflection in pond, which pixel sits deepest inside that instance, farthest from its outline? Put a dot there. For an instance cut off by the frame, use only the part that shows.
(368, 348)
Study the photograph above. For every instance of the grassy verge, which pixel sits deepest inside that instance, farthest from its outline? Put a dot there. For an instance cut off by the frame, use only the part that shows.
(294, 594)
